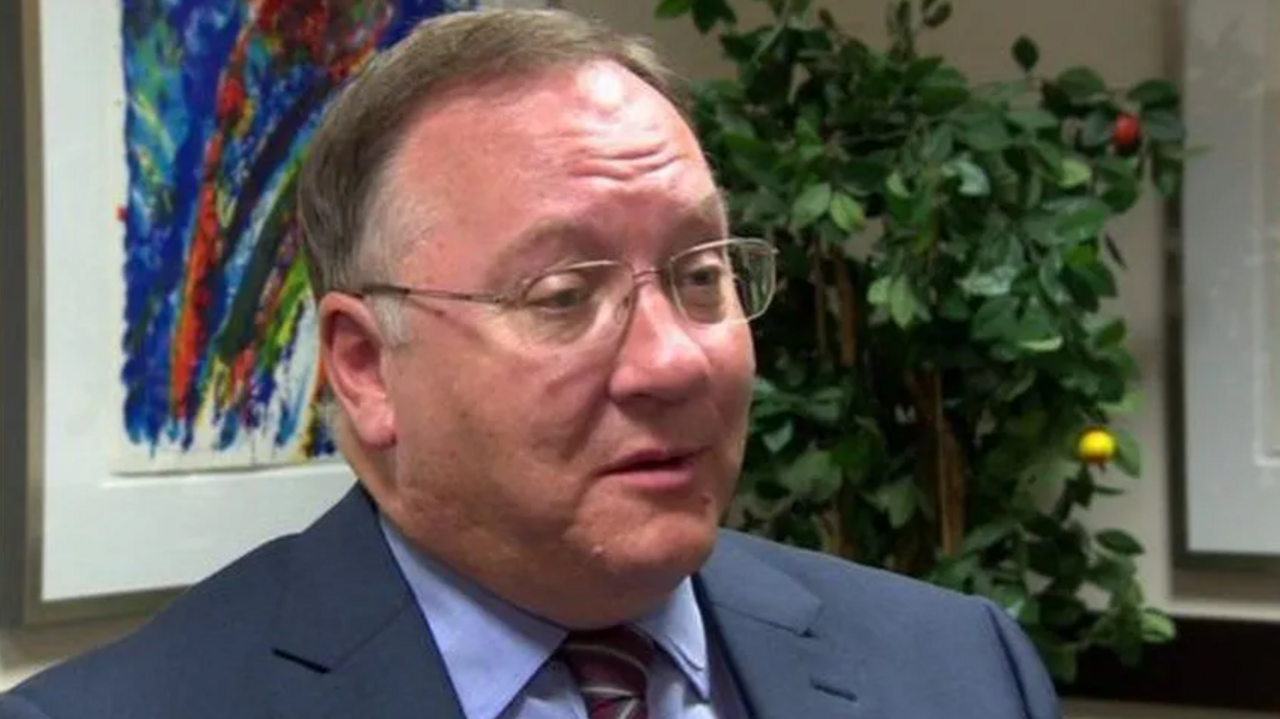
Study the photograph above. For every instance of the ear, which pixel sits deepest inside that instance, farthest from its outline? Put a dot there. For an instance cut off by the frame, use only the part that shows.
(352, 351)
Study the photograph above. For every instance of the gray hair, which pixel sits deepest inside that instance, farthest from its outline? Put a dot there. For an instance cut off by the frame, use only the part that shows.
(344, 203)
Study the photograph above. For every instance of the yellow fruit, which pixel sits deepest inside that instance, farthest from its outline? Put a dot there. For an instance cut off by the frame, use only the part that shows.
(1097, 446)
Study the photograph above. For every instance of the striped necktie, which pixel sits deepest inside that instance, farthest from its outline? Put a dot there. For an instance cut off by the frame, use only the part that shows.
(611, 667)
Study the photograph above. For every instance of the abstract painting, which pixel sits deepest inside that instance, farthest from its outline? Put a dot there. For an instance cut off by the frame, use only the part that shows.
(219, 360)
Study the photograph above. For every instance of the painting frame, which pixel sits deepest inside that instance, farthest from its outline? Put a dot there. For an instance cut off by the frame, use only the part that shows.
(81, 545)
(1218, 289)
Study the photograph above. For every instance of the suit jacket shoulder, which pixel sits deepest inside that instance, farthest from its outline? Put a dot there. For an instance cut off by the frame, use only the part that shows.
(892, 645)
(205, 644)
(311, 625)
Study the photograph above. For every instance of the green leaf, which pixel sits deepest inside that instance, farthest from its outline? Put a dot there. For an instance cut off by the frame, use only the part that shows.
(939, 16)
(1163, 126)
(1128, 453)
(1040, 227)
(973, 179)
(1095, 277)
(943, 91)
(1049, 158)
(1049, 275)
(1061, 661)
(1157, 627)
(1079, 218)
(902, 204)
(813, 203)
(1168, 174)
(1050, 468)
(1075, 173)
(846, 212)
(1062, 611)
(706, 13)
(1010, 391)
(955, 571)
(898, 500)
(673, 8)
(1120, 542)
(1033, 120)
(812, 475)
(1097, 128)
(1041, 346)
(1082, 85)
(897, 186)
(920, 68)
(753, 157)
(901, 24)
(878, 292)
(1026, 53)
(985, 536)
(1034, 192)
(903, 303)
(995, 319)
(992, 283)
(954, 307)
(762, 207)
(1113, 573)
(1121, 195)
(1127, 405)
(825, 405)
(855, 454)
(984, 132)
(1105, 332)
(1035, 331)
(1156, 93)
(778, 439)
(938, 146)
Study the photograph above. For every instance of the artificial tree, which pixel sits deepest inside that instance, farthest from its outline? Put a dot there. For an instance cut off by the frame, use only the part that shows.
(940, 343)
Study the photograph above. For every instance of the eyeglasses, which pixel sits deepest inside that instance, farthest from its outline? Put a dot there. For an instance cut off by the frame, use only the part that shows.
(725, 281)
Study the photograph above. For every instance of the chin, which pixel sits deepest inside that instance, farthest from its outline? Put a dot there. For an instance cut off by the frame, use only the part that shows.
(663, 552)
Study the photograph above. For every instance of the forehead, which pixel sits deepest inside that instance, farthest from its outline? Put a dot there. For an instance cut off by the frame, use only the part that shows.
(591, 147)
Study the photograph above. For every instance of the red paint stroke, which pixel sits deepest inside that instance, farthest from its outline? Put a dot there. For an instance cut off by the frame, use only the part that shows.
(337, 41)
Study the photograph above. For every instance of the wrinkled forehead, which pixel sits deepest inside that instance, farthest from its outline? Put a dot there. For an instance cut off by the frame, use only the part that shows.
(539, 115)
(571, 154)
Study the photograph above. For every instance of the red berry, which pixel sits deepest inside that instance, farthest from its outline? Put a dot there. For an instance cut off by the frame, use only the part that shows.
(1126, 132)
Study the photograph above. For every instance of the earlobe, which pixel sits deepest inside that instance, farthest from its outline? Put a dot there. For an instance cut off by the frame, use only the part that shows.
(351, 351)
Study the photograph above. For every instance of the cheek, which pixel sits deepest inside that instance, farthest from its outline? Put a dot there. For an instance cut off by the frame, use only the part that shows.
(733, 366)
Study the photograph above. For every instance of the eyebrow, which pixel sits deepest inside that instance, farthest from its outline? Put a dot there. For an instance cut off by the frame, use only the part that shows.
(559, 236)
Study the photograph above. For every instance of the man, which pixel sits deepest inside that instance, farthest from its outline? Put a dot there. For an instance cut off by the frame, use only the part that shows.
(534, 321)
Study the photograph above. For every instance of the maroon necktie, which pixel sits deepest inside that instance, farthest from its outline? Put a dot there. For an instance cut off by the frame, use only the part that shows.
(611, 667)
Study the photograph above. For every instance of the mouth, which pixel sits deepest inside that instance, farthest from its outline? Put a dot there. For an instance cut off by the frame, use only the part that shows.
(657, 468)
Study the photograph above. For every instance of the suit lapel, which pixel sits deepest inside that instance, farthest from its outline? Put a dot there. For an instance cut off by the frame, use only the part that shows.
(765, 622)
(349, 638)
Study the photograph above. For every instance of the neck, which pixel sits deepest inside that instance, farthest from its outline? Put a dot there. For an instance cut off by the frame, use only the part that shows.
(577, 599)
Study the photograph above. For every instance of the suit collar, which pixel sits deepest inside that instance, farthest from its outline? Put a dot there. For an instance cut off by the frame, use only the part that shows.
(350, 630)
(355, 643)
(768, 624)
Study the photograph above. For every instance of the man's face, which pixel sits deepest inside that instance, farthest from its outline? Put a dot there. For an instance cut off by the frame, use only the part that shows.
(598, 469)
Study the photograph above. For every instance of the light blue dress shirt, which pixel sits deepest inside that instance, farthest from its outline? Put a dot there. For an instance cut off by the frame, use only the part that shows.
(497, 655)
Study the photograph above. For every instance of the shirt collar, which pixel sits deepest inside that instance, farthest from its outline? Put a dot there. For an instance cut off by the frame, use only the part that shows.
(492, 649)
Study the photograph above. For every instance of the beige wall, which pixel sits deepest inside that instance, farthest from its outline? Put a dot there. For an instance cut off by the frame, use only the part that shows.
(1125, 40)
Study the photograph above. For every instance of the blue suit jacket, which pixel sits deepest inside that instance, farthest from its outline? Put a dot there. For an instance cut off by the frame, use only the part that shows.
(321, 624)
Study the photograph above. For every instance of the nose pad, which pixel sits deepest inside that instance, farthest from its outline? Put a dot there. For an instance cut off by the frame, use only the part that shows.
(626, 306)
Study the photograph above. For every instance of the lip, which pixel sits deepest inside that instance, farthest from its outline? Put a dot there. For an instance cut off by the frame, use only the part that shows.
(656, 468)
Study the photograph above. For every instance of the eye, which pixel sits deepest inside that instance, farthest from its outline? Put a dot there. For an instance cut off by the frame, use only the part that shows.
(702, 271)
(704, 276)
(561, 291)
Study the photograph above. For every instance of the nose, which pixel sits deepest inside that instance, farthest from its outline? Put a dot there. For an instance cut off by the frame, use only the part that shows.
(658, 359)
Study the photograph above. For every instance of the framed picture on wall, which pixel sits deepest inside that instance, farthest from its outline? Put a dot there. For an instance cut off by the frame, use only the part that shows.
(160, 394)
(1226, 278)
